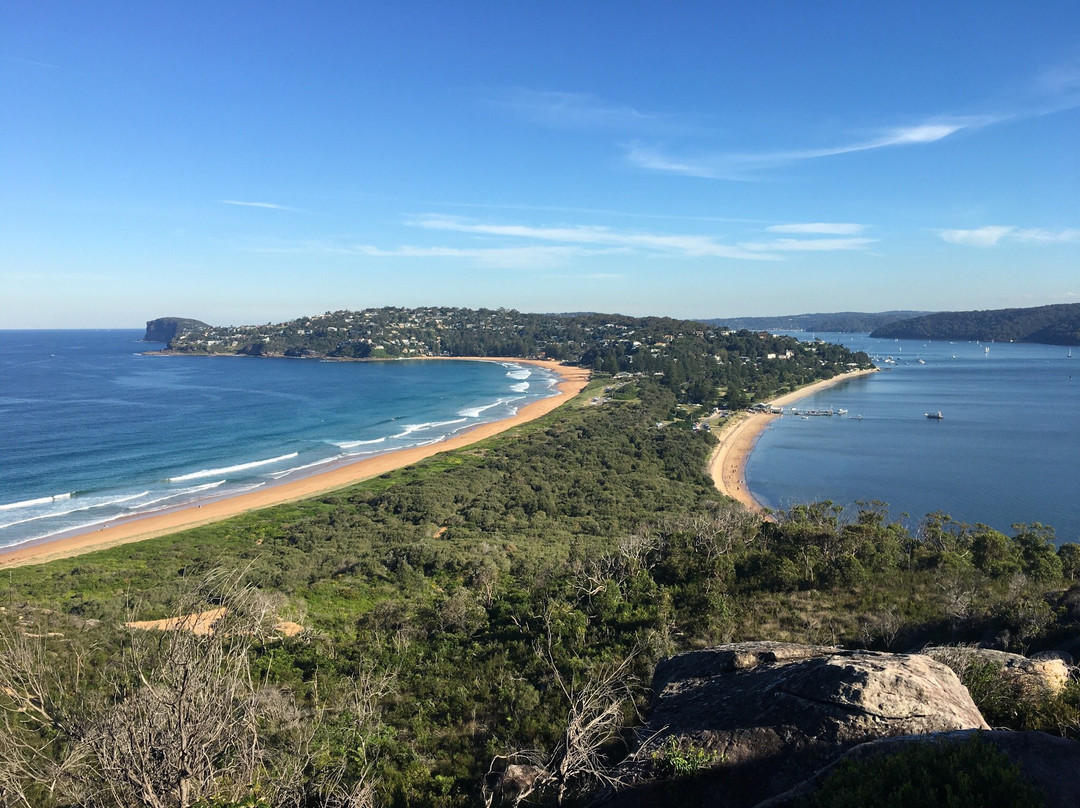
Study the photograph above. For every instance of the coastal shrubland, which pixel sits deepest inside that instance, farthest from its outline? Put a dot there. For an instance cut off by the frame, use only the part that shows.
(455, 611)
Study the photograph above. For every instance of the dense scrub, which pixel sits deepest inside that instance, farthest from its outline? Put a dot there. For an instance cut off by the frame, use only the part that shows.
(469, 601)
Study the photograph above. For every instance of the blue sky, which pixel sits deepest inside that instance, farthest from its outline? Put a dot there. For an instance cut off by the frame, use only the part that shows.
(253, 162)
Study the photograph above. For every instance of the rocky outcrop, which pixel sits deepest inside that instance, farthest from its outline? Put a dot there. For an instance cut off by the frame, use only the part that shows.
(1044, 674)
(765, 716)
(165, 329)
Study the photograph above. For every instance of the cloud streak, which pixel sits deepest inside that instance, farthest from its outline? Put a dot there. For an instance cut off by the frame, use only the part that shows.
(690, 246)
(563, 110)
(992, 235)
(808, 245)
(521, 246)
(819, 228)
(265, 205)
(526, 257)
(745, 165)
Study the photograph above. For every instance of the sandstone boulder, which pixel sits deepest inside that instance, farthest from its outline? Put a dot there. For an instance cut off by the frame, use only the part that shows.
(1045, 674)
(765, 716)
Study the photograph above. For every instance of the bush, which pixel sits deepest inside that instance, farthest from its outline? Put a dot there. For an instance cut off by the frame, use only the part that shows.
(948, 774)
(674, 759)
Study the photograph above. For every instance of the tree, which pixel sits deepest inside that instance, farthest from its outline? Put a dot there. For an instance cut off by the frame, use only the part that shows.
(596, 712)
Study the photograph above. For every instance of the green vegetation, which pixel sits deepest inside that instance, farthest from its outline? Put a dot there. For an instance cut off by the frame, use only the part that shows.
(490, 603)
(166, 329)
(840, 321)
(1057, 325)
(673, 759)
(955, 774)
(693, 360)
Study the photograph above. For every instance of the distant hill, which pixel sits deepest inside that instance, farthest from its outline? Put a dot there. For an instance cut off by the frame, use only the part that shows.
(165, 329)
(842, 321)
(1054, 325)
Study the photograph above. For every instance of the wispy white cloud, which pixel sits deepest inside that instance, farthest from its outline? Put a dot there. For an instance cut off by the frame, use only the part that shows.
(979, 237)
(627, 214)
(523, 246)
(991, 235)
(1039, 234)
(267, 205)
(692, 246)
(808, 244)
(743, 166)
(563, 110)
(819, 228)
(33, 62)
(1056, 89)
(527, 257)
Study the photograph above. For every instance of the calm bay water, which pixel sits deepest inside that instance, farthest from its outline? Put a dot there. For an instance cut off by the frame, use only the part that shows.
(92, 430)
(1006, 451)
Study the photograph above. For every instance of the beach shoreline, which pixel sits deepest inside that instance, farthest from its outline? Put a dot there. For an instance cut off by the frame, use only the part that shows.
(138, 528)
(727, 464)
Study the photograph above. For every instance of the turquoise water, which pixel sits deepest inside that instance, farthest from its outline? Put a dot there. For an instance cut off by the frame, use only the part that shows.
(92, 430)
(1007, 449)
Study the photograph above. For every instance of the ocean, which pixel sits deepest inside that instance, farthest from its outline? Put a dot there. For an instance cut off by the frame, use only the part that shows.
(93, 430)
(1006, 449)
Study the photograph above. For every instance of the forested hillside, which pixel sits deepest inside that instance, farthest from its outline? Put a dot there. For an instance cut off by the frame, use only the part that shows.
(1054, 325)
(855, 322)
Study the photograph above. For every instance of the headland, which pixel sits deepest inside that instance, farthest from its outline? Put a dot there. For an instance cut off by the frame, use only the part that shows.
(138, 528)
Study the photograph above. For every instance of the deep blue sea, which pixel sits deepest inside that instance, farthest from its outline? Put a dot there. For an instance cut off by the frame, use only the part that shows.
(92, 430)
(1007, 449)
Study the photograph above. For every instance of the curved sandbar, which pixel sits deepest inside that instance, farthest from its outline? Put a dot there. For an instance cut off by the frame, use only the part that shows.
(138, 528)
(727, 465)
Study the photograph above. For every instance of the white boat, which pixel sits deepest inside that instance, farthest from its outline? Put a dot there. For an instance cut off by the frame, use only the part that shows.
(935, 416)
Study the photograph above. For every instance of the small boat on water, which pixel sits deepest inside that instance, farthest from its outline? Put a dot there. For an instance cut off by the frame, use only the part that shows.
(935, 416)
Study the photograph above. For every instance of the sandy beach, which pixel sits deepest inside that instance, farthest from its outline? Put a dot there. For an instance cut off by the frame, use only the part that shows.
(137, 528)
(727, 466)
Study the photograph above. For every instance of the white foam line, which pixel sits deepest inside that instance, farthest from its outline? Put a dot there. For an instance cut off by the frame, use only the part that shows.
(55, 514)
(352, 444)
(29, 503)
(182, 493)
(411, 428)
(474, 412)
(195, 475)
(277, 475)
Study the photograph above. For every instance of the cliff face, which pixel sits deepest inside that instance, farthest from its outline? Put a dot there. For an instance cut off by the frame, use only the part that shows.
(164, 329)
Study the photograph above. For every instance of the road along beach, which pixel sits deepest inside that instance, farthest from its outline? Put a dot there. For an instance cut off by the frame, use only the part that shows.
(727, 465)
(573, 380)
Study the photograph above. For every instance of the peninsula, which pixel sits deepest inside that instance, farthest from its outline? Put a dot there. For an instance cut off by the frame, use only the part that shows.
(699, 367)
